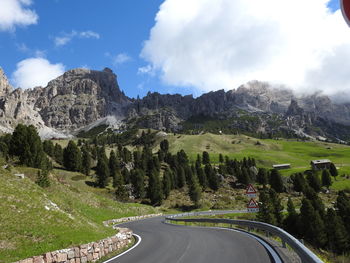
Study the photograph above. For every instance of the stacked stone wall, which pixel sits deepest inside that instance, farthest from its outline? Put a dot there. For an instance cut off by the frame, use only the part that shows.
(128, 219)
(90, 252)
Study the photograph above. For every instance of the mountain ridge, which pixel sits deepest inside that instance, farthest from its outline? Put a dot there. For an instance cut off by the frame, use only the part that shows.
(81, 97)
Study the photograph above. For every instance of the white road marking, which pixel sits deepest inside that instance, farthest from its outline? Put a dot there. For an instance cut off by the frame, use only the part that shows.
(127, 251)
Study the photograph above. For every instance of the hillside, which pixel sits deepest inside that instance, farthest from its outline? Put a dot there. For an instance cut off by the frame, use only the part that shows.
(36, 220)
(267, 152)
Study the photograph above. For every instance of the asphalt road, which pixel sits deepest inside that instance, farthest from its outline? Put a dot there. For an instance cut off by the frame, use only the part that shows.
(170, 243)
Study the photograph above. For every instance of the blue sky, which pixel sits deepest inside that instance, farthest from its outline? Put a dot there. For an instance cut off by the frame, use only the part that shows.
(122, 27)
(112, 33)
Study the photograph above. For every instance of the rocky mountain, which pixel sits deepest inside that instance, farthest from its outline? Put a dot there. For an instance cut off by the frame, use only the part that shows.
(72, 101)
(83, 99)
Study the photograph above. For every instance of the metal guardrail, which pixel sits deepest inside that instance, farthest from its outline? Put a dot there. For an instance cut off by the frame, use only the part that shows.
(306, 255)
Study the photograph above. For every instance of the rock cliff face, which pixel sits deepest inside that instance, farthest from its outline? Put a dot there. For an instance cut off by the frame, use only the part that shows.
(72, 101)
(5, 87)
(80, 98)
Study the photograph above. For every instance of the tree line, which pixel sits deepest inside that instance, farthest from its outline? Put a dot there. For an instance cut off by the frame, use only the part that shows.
(324, 228)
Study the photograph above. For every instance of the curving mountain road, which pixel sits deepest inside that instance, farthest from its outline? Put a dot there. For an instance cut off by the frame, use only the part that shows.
(170, 243)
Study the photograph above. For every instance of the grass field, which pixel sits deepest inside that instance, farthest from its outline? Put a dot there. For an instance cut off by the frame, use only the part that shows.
(267, 152)
(35, 220)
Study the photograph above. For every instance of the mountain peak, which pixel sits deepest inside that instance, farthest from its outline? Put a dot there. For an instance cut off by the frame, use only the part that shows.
(5, 87)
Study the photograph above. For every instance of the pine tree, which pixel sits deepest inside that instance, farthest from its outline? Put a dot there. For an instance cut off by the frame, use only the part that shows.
(338, 240)
(266, 209)
(166, 184)
(113, 163)
(194, 190)
(102, 170)
(188, 174)
(49, 148)
(314, 181)
(333, 171)
(181, 179)
(299, 182)
(4, 150)
(26, 144)
(221, 158)
(126, 175)
(43, 178)
(262, 176)
(86, 161)
(164, 146)
(343, 206)
(138, 183)
(199, 160)
(120, 191)
(154, 189)
(37, 154)
(326, 179)
(58, 153)
(182, 158)
(201, 177)
(277, 207)
(315, 200)
(213, 180)
(313, 225)
(291, 222)
(244, 177)
(205, 158)
(276, 181)
(19, 144)
(72, 157)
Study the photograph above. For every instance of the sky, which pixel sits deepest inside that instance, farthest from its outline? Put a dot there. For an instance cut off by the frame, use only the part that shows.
(179, 46)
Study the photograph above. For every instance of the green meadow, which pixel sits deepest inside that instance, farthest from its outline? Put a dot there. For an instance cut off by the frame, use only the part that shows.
(34, 220)
(266, 152)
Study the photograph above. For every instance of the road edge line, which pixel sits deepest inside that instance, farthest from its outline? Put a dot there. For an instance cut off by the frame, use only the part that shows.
(139, 239)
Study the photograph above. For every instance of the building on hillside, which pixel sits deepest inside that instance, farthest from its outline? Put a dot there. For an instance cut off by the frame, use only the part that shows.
(281, 166)
(320, 164)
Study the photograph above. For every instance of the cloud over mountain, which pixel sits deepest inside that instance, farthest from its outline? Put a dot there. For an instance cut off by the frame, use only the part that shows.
(34, 72)
(221, 44)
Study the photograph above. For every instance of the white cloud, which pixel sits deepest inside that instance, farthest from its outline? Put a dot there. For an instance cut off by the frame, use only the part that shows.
(146, 70)
(34, 72)
(222, 44)
(121, 59)
(16, 13)
(89, 34)
(65, 38)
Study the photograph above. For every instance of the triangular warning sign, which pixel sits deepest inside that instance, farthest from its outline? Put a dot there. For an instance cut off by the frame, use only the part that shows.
(250, 189)
(252, 204)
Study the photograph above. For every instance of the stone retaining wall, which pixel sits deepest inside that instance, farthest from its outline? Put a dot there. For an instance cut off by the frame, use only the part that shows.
(127, 219)
(90, 252)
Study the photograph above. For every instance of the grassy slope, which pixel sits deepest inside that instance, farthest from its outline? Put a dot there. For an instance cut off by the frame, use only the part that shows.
(28, 228)
(297, 153)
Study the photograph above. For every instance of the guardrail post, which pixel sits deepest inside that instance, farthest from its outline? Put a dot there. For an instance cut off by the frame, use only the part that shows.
(267, 234)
